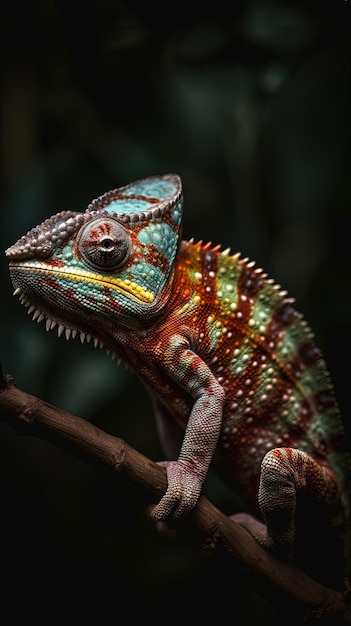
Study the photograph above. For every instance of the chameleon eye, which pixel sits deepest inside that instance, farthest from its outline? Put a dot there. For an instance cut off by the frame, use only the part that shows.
(104, 244)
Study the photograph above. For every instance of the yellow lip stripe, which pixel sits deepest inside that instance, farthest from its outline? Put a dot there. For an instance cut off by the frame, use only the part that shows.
(132, 288)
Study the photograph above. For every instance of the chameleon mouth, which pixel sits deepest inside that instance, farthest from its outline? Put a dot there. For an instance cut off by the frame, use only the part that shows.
(63, 329)
(126, 286)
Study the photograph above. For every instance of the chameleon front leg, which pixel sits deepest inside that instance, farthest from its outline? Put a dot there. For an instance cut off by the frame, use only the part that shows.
(186, 475)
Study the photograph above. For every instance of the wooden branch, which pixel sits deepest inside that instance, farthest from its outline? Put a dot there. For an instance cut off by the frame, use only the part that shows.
(215, 530)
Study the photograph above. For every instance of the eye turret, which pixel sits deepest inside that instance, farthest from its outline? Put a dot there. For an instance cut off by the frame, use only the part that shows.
(104, 244)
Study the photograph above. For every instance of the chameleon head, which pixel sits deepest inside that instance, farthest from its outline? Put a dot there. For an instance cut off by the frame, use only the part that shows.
(112, 263)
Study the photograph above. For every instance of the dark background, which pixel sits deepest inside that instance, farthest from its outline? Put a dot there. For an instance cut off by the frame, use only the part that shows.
(249, 102)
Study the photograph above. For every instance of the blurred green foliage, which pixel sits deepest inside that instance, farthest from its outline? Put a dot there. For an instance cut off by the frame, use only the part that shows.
(249, 102)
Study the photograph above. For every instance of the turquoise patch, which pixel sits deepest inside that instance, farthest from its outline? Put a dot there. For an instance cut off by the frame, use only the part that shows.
(154, 188)
(177, 213)
(161, 236)
(148, 276)
(131, 205)
(157, 190)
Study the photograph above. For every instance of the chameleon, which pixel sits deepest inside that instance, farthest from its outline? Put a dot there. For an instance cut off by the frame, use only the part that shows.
(236, 380)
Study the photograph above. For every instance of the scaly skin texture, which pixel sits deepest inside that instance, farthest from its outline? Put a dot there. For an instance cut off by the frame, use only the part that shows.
(232, 368)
